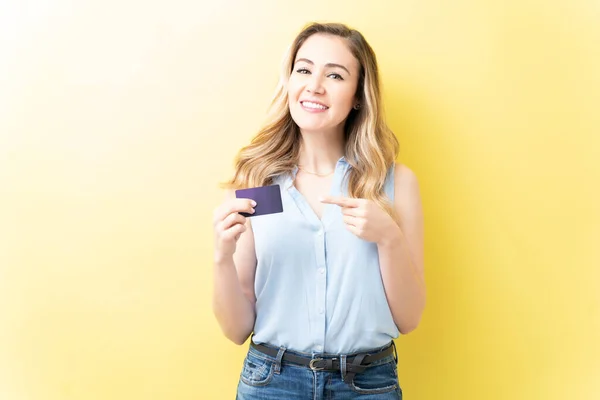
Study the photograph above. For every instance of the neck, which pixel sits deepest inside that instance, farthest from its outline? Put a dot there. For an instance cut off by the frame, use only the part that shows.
(319, 153)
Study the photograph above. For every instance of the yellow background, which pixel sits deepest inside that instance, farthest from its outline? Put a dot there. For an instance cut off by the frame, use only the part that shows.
(119, 118)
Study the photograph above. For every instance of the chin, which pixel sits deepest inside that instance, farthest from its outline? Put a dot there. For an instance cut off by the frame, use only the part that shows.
(307, 123)
(311, 127)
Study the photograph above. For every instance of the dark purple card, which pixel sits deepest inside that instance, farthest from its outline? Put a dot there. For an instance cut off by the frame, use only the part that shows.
(267, 198)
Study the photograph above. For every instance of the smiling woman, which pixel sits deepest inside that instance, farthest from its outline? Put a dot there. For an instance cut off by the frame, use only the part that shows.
(322, 93)
(325, 286)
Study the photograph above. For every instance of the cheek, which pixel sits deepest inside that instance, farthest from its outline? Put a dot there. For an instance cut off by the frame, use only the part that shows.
(346, 97)
(290, 99)
(292, 88)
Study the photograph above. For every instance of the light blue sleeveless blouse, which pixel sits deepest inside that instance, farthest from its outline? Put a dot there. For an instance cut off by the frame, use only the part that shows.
(318, 286)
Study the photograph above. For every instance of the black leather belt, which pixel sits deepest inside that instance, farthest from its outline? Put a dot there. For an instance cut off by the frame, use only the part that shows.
(355, 363)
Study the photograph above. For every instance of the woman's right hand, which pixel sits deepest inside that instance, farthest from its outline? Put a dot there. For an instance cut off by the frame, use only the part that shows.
(228, 225)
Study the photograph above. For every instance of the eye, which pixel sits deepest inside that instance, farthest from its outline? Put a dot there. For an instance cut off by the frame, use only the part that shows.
(336, 76)
(303, 71)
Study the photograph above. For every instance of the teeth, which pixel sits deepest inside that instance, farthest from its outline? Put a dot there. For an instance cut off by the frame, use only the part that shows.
(308, 104)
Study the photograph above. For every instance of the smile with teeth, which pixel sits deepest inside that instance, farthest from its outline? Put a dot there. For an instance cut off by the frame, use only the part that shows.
(314, 106)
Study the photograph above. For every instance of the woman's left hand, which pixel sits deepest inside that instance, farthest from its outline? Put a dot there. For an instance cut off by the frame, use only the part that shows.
(365, 218)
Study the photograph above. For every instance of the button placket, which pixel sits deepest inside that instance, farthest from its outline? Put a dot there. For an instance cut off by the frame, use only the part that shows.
(321, 289)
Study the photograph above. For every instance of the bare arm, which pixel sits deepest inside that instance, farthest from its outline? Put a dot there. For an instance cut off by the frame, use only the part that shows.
(234, 269)
(401, 254)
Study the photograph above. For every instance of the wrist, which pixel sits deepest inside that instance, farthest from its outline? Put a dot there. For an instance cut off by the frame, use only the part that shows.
(222, 260)
(391, 236)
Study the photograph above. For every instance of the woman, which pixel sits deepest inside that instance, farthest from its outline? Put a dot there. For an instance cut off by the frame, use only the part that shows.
(326, 285)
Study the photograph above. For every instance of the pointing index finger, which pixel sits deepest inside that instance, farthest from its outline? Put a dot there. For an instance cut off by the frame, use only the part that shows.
(340, 201)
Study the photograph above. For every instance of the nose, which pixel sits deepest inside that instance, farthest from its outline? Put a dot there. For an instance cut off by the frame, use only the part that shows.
(315, 85)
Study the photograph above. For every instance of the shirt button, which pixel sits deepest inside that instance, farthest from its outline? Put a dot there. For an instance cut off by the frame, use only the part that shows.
(320, 233)
(321, 310)
(318, 347)
(321, 270)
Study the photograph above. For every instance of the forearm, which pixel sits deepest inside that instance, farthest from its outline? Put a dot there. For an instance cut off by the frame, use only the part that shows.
(233, 310)
(404, 285)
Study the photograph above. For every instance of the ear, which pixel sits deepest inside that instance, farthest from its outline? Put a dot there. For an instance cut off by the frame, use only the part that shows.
(357, 100)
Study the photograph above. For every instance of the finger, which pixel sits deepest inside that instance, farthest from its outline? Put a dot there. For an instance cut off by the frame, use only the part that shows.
(349, 220)
(355, 230)
(234, 206)
(233, 233)
(358, 223)
(231, 220)
(354, 212)
(340, 201)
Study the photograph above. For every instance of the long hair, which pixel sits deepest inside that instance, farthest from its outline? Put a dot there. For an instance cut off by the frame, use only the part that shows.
(370, 146)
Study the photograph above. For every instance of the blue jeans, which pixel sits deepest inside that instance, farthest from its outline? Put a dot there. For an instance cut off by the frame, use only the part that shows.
(265, 378)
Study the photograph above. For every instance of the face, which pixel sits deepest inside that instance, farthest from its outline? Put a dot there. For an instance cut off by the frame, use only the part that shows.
(323, 83)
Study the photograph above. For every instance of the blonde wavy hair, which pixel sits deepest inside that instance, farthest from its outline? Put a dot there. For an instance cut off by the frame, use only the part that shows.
(370, 146)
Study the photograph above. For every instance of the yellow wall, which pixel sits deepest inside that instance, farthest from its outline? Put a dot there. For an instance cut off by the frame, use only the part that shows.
(118, 119)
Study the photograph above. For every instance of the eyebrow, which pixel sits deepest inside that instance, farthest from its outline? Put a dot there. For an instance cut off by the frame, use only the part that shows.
(306, 60)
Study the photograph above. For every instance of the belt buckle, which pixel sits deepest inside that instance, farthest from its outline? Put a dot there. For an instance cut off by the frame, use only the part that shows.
(312, 366)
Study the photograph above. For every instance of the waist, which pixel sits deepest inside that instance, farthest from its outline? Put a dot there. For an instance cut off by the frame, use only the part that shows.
(356, 362)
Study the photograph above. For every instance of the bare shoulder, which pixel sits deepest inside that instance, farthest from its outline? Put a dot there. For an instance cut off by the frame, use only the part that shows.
(407, 198)
(405, 182)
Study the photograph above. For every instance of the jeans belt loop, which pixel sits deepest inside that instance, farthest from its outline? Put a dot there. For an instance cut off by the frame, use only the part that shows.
(278, 360)
(343, 366)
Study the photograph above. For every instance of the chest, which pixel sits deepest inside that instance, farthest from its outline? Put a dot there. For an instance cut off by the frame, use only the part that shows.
(312, 188)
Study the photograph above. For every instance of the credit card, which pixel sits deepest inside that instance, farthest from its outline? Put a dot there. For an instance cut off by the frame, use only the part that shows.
(267, 198)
